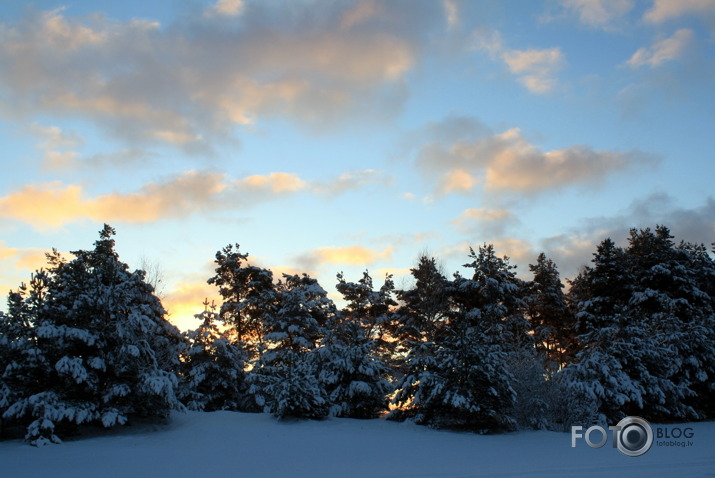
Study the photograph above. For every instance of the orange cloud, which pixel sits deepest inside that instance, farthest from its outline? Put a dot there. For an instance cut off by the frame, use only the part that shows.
(185, 299)
(354, 255)
(49, 204)
(54, 204)
(16, 266)
(347, 255)
(276, 183)
(457, 180)
(23, 261)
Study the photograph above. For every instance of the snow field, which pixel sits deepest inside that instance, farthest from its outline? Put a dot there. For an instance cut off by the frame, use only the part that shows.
(231, 444)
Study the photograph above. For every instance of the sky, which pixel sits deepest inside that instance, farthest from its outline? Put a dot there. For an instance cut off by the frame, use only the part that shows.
(329, 136)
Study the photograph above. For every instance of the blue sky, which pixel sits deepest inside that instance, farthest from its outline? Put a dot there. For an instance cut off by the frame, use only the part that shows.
(350, 135)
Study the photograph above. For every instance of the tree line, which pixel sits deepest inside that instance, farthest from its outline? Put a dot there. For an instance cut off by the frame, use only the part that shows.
(87, 342)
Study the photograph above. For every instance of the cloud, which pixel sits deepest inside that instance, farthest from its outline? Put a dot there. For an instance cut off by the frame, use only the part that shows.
(58, 151)
(451, 11)
(55, 143)
(490, 223)
(663, 51)
(72, 160)
(522, 167)
(53, 137)
(226, 7)
(534, 68)
(349, 181)
(125, 158)
(483, 214)
(664, 10)
(53, 204)
(572, 251)
(147, 83)
(519, 252)
(17, 265)
(60, 159)
(694, 224)
(361, 12)
(274, 183)
(575, 248)
(457, 180)
(598, 13)
(347, 255)
(185, 299)
(27, 259)
(508, 162)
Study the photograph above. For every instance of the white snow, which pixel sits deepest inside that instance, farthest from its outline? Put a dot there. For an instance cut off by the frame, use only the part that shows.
(233, 444)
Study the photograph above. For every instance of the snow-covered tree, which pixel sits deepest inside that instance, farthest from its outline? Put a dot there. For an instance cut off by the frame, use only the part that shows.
(459, 378)
(352, 369)
(674, 299)
(600, 295)
(214, 376)
(423, 307)
(23, 366)
(371, 308)
(549, 313)
(107, 352)
(696, 346)
(285, 380)
(499, 296)
(248, 293)
(646, 328)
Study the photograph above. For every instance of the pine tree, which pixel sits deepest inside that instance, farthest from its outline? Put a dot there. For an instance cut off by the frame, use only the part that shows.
(247, 291)
(214, 368)
(696, 346)
(549, 313)
(23, 366)
(351, 366)
(499, 297)
(645, 318)
(424, 307)
(676, 304)
(285, 378)
(371, 308)
(107, 352)
(600, 295)
(459, 379)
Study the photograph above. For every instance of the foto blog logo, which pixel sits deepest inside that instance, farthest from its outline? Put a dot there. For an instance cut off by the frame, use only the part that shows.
(633, 436)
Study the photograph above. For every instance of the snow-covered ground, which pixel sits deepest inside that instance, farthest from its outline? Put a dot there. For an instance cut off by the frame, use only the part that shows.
(230, 444)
